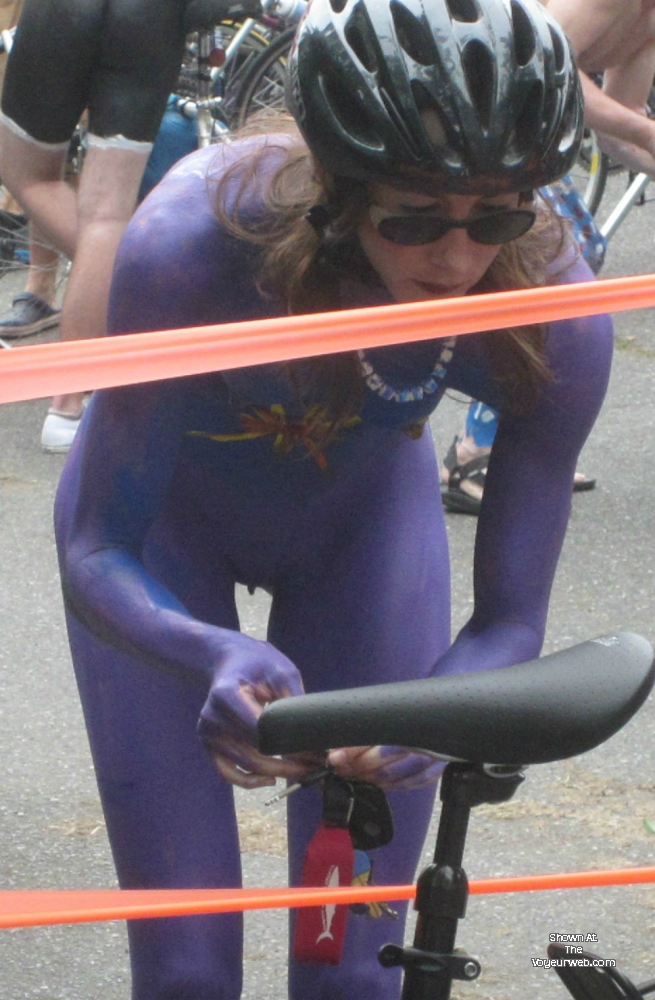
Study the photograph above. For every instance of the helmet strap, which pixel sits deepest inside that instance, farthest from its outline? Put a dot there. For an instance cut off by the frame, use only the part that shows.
(320, 217)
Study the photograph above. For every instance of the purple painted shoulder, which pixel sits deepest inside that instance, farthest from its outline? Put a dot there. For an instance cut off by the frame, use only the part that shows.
(176, 266)
(189, 191)
(196, 176)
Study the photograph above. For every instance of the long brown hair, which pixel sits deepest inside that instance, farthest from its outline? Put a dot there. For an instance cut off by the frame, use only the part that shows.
(301, 263)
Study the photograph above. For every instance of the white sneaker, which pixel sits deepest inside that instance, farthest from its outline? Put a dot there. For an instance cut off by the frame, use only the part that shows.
(59, 430)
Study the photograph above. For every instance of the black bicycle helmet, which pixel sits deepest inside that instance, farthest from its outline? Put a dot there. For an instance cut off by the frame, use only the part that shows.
(483, 95)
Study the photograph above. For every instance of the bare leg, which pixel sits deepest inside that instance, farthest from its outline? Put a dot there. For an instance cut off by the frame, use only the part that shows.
(105, 201)
(9, 204)
(34, 173)
(44, 263)
(464, 469)
(85, 225)
(32, 309)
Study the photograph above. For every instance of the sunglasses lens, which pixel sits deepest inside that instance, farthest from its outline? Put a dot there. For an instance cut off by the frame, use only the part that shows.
(501, 227)
(412, 231)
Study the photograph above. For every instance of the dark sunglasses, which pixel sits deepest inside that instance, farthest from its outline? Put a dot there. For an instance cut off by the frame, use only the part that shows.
(413, 230)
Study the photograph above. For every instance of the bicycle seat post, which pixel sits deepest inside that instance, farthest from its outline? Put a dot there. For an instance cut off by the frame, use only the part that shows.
(442, 889)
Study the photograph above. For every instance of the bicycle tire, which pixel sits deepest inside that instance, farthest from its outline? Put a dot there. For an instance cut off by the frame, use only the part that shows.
(590, 171)
(263, 87)
(15, 250)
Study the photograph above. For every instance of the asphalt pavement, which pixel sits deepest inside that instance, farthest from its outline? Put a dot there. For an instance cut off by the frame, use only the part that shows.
(590, 812)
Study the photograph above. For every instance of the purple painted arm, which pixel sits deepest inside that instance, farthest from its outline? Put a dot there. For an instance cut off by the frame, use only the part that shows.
(527, 500)
(112, 490)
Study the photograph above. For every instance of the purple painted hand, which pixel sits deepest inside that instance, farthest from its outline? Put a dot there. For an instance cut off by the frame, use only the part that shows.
(395, 769)
(250, 675)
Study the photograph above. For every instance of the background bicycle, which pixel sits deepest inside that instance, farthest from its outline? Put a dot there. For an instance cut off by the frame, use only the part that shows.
(233, 66)
(236, 66)
(610, 190)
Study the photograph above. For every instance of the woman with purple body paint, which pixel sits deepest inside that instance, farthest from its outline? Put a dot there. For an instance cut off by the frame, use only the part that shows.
(317, 480)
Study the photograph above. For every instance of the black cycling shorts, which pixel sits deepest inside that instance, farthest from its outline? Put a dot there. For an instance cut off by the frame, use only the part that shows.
(119, 59)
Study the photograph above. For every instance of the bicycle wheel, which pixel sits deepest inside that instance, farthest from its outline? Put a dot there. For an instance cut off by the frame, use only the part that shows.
(590, 171)
(263, 87)
(16, 248)
(21, 248)
(14, 251)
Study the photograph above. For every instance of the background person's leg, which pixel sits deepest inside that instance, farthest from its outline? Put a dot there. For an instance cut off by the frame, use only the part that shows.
(119, 59)
(140, 52)
(177, 137)
(45, 92)
(43, 269)
(105, 202)
(465, 465)
(34, 173)
(33, 310)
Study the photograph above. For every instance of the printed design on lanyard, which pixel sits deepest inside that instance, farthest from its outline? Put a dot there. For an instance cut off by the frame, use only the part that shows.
(320, 930)
(356, 819)
(330, 909)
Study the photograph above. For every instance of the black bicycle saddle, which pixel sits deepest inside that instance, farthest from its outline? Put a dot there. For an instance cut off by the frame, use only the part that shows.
(555, 707)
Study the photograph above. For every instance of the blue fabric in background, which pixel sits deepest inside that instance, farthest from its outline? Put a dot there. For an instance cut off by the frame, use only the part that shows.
(177, 136)
(567, 202)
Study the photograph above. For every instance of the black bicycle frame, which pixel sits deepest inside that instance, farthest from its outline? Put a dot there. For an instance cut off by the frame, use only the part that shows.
(442, 889)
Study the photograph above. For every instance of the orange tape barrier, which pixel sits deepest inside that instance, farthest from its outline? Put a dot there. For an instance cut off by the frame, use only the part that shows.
(32, 908)
(76, 366)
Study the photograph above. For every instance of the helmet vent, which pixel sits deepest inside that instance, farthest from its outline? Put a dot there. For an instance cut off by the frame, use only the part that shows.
(463, 10)
(435, 123)
(480, 72)
(360, 45)
(352, 119)
(524, 39)
(529, 120)
(413, 36)
(570, 135)
(399, 123)
(558, 50)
